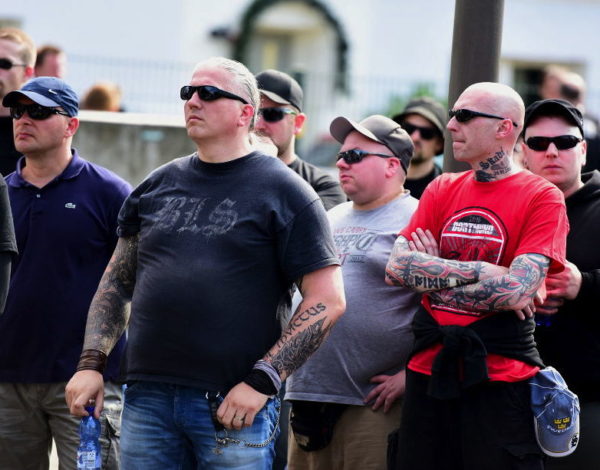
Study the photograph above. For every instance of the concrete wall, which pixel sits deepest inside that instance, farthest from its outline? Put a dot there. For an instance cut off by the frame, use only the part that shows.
(131, 145)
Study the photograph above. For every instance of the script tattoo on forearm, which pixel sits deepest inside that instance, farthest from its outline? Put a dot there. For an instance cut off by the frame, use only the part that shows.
(423, 272)
(108, 313)
(527, 272)
(303, 336)
(492, 168)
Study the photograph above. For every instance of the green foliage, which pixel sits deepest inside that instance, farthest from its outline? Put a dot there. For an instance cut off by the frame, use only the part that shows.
(397, 103)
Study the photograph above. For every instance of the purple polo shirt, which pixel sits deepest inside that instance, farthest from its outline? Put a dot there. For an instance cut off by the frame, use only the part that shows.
(66, 233)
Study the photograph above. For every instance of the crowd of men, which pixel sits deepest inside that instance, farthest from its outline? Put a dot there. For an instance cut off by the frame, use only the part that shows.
(241, 308)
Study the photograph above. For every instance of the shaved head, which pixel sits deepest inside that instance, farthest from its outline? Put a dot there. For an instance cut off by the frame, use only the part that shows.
(498, 99)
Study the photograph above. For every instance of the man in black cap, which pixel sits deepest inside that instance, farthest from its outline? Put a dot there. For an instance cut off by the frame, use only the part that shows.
(360, 386)
(424, 119)
(568, 333)
(280, 117)
(65, 222)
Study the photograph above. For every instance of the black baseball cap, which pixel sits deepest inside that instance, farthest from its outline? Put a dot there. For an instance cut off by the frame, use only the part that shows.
(554, 107)
(280, 87)
(379, 128)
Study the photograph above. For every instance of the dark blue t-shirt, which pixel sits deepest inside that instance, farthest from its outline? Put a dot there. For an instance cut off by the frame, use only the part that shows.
(66, 233)
(220, 246)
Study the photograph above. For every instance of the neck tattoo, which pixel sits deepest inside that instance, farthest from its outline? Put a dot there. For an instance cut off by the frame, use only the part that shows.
(494, 168)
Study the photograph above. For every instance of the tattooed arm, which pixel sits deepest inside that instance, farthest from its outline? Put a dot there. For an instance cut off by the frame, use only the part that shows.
(107, 318)
(513, 291)
(323, 303)
(424, 272)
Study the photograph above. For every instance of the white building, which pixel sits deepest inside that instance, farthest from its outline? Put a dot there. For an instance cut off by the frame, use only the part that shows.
(352, 57)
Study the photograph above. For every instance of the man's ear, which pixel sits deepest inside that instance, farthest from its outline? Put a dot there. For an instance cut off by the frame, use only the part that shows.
(246, 115)
(72, 127)
(299, 120)
(505, 127)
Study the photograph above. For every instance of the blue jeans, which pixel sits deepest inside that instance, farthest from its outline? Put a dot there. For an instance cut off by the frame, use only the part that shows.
(168, 427)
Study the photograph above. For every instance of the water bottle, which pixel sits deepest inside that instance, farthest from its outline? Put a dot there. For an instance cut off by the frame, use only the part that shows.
(88, 452)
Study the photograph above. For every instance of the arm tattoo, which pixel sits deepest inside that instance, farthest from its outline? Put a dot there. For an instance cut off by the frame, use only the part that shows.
(307, 329)
(527, 273)
(498, 165)
(423, 272)
(108, 313)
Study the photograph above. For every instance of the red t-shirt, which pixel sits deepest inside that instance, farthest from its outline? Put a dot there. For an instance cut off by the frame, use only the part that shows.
(493, 222)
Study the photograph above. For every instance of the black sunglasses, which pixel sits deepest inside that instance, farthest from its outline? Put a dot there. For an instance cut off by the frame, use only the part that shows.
(357, 155)
(427, 133)
(207, 93)
(275, 114)
(7, 64)
(562, 142)
(35, 111)
(465, 115)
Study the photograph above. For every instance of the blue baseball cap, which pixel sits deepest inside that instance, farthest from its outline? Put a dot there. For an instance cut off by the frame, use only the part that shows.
(50, 92)
(555, 413)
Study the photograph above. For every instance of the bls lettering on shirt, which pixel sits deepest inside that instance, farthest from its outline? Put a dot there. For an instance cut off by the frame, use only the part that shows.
(180, 214)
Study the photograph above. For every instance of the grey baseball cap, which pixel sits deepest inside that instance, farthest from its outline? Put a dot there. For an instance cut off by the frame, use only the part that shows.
(429, 109)
(379, 128)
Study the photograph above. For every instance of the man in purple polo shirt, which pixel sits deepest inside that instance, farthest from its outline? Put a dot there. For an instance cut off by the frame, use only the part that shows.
(65, 214)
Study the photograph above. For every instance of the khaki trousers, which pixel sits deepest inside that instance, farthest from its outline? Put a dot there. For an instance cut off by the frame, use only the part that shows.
(359, 442)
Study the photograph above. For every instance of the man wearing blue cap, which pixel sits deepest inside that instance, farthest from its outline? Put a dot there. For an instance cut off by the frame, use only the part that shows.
(66, 215)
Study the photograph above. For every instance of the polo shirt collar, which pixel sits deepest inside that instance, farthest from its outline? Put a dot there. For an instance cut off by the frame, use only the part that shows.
(71, 171)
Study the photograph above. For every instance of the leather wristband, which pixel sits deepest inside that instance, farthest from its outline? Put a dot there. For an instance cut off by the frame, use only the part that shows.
(92, 359)
(261, 382)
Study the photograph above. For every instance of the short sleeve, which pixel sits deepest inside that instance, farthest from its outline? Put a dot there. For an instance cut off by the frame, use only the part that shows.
(546, 229)
(7, 230)
(305, 244)
(423, 216)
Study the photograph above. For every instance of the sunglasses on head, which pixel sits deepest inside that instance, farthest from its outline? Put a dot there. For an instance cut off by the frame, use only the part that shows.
(207, 93)
(357, 155)
(275, 114)
(34, 111)
(427, 133)
(465, 115)
(7, 64)
(562, 142)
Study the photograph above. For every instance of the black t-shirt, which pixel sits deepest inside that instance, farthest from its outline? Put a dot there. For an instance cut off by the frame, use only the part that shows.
(328, 189)
(220, 245)
(417, 186)
(8, 153)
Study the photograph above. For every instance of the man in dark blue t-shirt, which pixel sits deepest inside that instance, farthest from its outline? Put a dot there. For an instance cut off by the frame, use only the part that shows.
(65, 215)
(210, 245)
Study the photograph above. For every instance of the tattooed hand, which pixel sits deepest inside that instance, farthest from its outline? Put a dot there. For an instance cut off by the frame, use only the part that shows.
(322, 304)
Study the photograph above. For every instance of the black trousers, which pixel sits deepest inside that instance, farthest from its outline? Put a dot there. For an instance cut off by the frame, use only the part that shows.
(490, 427)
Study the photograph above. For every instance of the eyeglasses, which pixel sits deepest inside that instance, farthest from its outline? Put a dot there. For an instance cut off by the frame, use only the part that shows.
(35, 111)
(275, 114)
(465, 115)
(562, 142)
(357, 155)
(427, 133)
(7, 64)
(207, 93)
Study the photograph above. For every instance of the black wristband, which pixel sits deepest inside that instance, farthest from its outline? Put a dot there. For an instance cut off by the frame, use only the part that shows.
(92, 359)
(261, 382)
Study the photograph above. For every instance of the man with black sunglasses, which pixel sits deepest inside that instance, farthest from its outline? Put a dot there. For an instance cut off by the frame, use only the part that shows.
(425, 120)
(568, 334)
(17, 58)
(65, 221)
(280, 117)
(478, 247)
(357, 377)
(210, 246)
